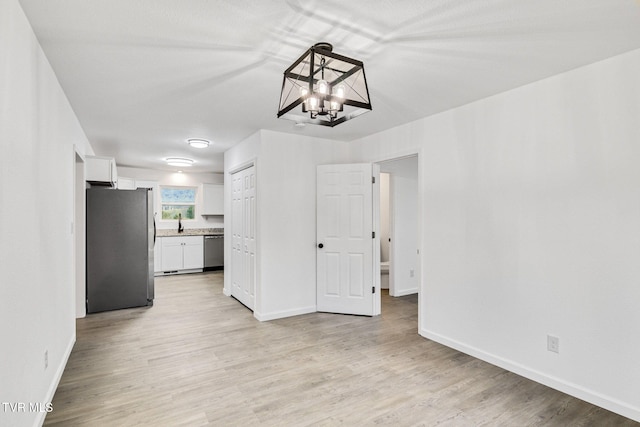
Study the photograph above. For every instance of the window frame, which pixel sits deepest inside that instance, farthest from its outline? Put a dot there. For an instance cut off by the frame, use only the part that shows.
(179, 187)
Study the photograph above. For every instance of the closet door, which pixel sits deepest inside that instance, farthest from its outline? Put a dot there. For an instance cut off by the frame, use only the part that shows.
(236, 230)
(244, 236)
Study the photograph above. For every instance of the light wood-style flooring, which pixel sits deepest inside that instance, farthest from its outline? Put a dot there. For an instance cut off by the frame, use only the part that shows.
(200, 358)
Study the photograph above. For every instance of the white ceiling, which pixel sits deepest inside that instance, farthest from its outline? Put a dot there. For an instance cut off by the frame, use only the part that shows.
(145, 75)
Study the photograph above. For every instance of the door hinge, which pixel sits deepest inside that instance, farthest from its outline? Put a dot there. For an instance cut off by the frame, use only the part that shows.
(373, 289)
(373, 234)
(373, 179)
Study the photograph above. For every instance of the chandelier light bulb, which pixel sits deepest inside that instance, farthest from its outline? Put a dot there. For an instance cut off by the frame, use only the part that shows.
(304, 91)
(323, 87)
(313, 103)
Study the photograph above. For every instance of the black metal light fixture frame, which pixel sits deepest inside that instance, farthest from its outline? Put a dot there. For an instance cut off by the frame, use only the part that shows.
(330, 88)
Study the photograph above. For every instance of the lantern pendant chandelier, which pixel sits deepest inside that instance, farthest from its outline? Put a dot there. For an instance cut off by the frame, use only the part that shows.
(329, 88)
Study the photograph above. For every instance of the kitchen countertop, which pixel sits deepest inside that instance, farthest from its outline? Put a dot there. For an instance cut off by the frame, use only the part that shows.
(190, 232)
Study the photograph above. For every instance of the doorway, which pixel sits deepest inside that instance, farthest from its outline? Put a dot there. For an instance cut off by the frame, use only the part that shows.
(79, 245)
(399, 226)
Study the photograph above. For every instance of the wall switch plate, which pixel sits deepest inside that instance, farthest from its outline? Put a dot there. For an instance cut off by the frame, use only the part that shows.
(553, 344)
(46, 359)
(411, 273)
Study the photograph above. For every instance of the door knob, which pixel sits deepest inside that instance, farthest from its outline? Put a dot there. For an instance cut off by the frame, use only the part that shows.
(321, 246)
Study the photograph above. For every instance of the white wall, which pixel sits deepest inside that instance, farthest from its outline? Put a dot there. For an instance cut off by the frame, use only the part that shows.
(530, 217)
(287, 198)
(286, 192)
(38, 130)
(185, 179)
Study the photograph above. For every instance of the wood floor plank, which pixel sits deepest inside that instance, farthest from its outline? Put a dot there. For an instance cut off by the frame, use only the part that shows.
(199, 358)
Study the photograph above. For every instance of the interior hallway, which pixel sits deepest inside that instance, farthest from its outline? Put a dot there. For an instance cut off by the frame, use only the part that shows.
(198, 357)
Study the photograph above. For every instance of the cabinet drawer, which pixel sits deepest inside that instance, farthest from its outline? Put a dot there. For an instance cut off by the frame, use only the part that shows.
(181, 240)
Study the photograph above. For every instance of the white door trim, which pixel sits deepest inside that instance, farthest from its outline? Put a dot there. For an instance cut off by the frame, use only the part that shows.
(78, 231)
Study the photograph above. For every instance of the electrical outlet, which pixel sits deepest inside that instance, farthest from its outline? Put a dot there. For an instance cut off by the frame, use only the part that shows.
(553, 344)
(411, 273)
(46, 359)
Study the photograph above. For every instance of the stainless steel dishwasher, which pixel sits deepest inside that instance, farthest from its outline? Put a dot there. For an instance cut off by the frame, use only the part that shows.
(214, 252)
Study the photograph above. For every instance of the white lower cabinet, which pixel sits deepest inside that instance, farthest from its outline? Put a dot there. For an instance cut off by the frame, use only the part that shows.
(172, 258)
(182, 253)
(193, 253)
(157, 255)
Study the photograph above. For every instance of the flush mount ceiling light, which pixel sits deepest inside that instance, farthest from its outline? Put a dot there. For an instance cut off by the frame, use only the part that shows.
(198, 143)
(329, 88)
(178, 161)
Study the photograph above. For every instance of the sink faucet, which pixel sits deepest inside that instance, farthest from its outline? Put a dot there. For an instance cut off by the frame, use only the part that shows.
(180, 227)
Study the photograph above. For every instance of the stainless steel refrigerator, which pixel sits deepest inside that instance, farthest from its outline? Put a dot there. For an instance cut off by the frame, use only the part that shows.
(120, 240)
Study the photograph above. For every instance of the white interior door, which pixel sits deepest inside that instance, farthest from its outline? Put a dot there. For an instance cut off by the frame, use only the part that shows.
(345, 240)
(249, 236)
(243, 229)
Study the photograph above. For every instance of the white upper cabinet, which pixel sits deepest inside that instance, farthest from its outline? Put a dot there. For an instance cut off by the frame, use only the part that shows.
(126, 183)
(101, 171)
(212, 199)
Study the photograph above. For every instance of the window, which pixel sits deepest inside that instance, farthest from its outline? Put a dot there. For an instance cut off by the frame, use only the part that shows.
(178, 200)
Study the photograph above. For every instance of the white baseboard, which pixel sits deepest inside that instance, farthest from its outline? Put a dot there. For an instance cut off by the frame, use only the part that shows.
(606, 402)
(263, 317)
(174, 272)
(405, 292)
(56, 379)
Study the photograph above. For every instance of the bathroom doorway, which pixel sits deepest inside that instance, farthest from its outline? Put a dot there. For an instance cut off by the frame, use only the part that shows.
(399, 240)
